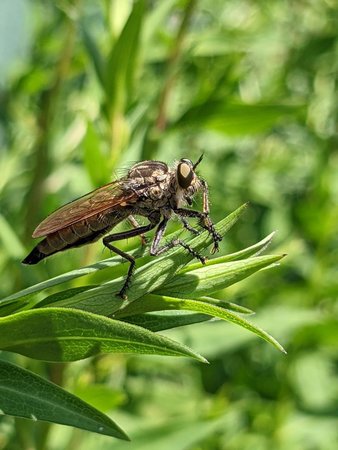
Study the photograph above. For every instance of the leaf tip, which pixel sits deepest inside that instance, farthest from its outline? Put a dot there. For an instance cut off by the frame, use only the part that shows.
(279, 347)
(125, 437)
(271, 235)
(202, 359)
(116, 432)
(243, 207)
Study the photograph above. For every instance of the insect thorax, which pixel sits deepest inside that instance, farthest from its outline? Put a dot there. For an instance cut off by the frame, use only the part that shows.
(157, 185)
(148, 171)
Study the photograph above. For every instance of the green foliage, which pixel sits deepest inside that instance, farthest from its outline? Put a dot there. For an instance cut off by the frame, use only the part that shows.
(24, 394)
(236, 119)
(56, 329)
(87, 89)
(60, 335)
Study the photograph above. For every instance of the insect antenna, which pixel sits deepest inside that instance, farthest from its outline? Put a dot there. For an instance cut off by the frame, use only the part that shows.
(198, 161)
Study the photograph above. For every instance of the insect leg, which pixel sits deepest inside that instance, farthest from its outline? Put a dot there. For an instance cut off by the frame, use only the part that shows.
(124, 235)
(204, 221)
(134, 223)
(187, 225)
(155, 250)
(205, 189)
(125, 255)
(206, 209)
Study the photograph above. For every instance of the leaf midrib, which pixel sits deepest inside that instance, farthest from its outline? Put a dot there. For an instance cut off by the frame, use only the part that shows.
(72, 338)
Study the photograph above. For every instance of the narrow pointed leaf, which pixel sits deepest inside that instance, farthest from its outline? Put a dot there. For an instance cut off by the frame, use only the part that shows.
(166, 303)
(209, 279)
(253, 250)
(58, 334)
(153, 302)
(121, 63)
(227, 305)
(24, 394)
(94, 53)
(63, 278)
(166, 320)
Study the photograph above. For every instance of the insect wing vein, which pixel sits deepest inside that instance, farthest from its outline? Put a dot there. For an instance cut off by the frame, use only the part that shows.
(97, 201)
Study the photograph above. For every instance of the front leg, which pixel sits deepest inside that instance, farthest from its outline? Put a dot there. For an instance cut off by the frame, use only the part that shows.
(156, 250)
(204, 221)
(205, 189)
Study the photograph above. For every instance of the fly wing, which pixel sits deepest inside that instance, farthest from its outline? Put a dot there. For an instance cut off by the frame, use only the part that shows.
(97, 201)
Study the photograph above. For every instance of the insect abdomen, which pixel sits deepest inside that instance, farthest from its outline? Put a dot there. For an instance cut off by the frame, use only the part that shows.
(34, 257)
(80, 233)
(46, 247)
(69, 237)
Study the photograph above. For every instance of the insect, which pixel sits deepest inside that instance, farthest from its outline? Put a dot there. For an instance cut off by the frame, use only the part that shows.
(150, 189)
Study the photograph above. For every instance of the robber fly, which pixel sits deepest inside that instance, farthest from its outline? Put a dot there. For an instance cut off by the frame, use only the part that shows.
(150, 189)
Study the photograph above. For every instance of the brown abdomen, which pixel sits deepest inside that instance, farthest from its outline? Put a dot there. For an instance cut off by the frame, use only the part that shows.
(80, 233)
(76, 235)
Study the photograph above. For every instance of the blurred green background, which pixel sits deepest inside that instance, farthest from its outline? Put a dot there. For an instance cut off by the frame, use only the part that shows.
(250, 83)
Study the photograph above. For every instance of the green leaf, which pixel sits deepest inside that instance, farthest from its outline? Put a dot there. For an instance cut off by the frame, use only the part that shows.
(24, 394)
(236, 119)
(169, 319)
(227, 305)
(59, 334)
(215, 340)
(62, 295)
(94, 53)
(253, 250)
(212, 278)
(109, 267)
(162, 302)
(166, 320)
(140, 313)
(63, 278)
(153, 302)
(121, 64)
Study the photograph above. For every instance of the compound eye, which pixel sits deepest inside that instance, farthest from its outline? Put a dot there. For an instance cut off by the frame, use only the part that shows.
(185, 174)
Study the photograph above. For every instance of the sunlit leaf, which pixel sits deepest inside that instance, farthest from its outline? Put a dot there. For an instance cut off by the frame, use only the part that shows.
(162, 302)
(209, 279)
(59, 334)
(24, 394)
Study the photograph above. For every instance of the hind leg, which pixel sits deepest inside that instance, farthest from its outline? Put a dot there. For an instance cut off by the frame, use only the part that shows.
(124, 235)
